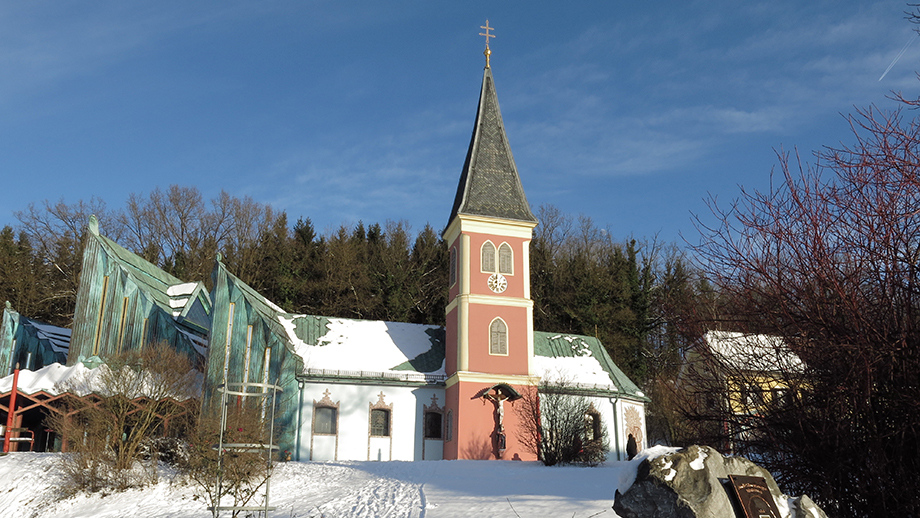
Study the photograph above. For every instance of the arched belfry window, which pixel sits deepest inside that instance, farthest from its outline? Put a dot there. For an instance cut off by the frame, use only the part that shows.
(488, 257)
(498, 337)
(505, 259)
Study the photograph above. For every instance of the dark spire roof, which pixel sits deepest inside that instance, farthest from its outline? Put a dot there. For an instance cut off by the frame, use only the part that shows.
(489, 185)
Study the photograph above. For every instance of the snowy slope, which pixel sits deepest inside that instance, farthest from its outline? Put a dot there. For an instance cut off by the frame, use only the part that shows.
(434, 489)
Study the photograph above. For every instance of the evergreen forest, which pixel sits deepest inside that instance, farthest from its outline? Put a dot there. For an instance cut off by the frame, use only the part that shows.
(583, 280)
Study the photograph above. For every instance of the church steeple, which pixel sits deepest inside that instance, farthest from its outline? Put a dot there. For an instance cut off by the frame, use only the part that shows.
(489, 316)
(489, 184)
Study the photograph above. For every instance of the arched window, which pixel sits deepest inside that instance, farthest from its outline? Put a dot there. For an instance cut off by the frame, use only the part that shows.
(488, 257)
(498, 337)
(593, 426)
(505, 259)
(453, 266)
(380, 423)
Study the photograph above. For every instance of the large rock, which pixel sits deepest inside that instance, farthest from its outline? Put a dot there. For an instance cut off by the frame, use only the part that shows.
(693, 483)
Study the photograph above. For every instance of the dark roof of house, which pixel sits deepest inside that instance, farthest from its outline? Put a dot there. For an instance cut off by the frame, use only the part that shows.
(489, 184)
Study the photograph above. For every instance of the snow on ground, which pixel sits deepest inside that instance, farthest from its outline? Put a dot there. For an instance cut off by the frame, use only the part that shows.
(430, 489)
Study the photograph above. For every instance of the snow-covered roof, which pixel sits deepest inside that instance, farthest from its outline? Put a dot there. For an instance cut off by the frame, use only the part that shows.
(370, 346)
(78, 379)
(185, 288)
(578, 361)
(755, 352)
(394, 350)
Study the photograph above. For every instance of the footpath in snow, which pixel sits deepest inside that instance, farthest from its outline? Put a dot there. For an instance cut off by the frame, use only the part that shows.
(430, 489)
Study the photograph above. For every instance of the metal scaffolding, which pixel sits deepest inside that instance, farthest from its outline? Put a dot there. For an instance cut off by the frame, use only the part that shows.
(263, 445)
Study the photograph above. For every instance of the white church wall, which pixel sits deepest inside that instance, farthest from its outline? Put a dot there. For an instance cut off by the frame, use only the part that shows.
(353, 439)
(630, 419)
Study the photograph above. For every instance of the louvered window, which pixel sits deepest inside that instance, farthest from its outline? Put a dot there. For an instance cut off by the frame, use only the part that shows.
(498, 337)
(488, 257)
(505, 259)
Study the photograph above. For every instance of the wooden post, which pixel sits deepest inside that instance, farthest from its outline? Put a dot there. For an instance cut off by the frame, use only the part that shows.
(12, 411)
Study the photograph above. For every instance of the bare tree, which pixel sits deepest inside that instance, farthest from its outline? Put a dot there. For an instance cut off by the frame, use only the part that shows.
(57, 231)
(827, 262)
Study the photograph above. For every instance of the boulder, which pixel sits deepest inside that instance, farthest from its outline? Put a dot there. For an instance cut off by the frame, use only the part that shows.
(693, 483)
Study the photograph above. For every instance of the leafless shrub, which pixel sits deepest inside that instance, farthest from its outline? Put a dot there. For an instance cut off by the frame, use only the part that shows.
(238, 476)
(111, 418)
(560, 426)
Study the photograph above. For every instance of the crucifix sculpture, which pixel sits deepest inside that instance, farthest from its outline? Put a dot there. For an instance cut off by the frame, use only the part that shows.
(499, 398)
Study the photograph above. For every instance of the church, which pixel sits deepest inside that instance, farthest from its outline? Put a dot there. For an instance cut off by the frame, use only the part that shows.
(374, 390)
(371, 390)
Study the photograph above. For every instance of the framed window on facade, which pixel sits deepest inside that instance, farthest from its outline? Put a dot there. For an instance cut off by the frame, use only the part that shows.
(324, 420)
(498, 337)
(380, 423)
(488, 257)
(505, 259)
(453, 266)
(433, 425)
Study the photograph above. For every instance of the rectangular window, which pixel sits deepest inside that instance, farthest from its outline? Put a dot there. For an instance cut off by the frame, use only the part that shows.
(266, 370)
(227, 344)
(248, 354)
(432, 425)
(121, 327)
(324, 420)
(450, 425)
(380, 423)
(453, 266)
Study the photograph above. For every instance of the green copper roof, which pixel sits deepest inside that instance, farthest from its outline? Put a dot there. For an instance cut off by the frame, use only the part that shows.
(557, 345)
(489, 184)
(154, 281)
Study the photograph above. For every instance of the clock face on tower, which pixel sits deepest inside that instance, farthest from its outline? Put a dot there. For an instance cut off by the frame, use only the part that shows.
(497, 282)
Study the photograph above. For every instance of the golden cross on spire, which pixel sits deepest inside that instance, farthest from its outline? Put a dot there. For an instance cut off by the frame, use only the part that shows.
(487, 52)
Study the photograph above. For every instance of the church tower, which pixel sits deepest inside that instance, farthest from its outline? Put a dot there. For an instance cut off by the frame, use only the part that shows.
(489, 342)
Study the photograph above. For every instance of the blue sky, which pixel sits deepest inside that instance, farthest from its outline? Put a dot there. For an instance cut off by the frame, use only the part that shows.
(630, 113)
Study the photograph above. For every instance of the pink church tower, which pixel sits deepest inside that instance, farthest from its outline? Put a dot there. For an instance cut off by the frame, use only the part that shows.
(489, 347)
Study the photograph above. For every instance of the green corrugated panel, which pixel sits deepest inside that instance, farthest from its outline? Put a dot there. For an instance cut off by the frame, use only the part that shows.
(563, 345)
(151, 278)
(252, 309)
(122, 326)
(310, 329)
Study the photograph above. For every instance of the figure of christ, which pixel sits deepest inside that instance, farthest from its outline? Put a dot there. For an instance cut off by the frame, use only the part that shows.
(499, 399)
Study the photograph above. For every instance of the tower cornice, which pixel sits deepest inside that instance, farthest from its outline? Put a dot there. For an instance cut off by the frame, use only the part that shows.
(488, 225)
